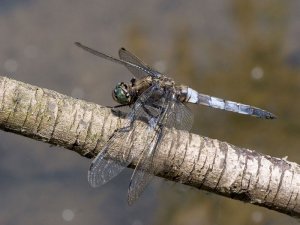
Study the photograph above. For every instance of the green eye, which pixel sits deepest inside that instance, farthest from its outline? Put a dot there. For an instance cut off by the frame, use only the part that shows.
(121, 95)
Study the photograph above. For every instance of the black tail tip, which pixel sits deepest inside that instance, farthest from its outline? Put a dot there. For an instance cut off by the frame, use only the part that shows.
(270, 116)
(263, 114)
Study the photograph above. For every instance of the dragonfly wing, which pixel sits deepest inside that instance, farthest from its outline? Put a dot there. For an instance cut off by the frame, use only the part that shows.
(170, 112)
(145, 169)
(179, 116)
(133, 66)
(104, 167)
(129, 57)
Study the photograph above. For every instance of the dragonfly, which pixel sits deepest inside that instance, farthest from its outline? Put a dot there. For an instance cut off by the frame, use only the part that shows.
(154, 98)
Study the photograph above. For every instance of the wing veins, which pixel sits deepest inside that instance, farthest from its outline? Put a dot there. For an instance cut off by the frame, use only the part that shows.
(113, 59)
(130, 57)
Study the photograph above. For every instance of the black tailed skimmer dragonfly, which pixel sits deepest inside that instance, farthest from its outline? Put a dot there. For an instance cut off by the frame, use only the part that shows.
(155, 97)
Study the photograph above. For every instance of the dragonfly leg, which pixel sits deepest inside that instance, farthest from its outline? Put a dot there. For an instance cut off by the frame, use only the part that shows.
(127, 128)
(116, 106)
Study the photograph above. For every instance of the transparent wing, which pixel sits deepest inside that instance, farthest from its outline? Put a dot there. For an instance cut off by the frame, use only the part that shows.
(103, 168)
(145, 169)
(172, 113)
(127, 56)
(119, 61)
(179, 116)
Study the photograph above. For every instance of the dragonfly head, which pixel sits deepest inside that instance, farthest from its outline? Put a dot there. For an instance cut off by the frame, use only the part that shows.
(121, 94)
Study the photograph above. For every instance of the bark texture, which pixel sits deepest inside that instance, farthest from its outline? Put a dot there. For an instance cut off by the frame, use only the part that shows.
(188, 158)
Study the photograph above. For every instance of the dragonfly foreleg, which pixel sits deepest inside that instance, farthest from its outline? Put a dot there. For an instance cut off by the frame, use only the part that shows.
(116, 106)
(127, 128)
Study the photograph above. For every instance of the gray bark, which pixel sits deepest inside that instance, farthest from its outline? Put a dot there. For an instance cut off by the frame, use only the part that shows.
(188, 158)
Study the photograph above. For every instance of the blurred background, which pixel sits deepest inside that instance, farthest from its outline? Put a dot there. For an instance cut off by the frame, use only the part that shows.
(246, 51)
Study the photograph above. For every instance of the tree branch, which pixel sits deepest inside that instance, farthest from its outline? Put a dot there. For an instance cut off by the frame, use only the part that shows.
(193, 160)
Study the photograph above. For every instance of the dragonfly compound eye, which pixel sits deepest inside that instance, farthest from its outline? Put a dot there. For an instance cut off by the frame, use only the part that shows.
(121, 95)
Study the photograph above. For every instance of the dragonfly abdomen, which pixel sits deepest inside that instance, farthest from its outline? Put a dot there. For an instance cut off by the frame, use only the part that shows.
(193, 96)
